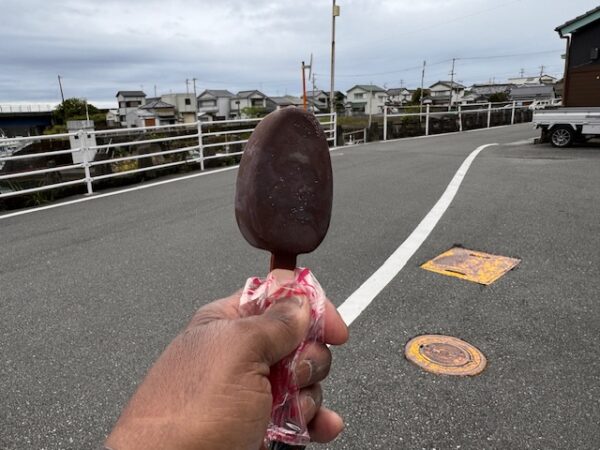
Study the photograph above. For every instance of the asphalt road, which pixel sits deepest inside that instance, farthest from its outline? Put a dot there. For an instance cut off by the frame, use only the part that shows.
(91, 293)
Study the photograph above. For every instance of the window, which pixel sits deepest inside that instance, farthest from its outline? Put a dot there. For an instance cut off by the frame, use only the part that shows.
(122, 118)
(122, 104)
(188, 101)
(359, 95)
(132, 104)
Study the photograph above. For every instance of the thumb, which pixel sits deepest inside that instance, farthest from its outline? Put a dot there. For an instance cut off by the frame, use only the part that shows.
(281, 328)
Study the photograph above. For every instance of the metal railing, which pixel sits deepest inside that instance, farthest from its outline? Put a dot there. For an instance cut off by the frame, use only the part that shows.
(208, 137)
(26, 108)
(459, 111)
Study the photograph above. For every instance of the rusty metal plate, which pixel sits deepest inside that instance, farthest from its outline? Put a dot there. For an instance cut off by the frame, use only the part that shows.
(445, 355)
(471, 265)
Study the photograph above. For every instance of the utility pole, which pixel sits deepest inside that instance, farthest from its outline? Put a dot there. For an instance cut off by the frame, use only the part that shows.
(304, 102)
(313, 91)
(62, 95)
(370, 103)
(155, 90)
(335, 12)
(451, 85)
(522, 73)
(195, 96)
(187, 86)
(542, 67)
(422, 87)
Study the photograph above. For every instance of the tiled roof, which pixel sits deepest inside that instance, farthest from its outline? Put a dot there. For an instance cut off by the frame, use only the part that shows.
(157, 104)
(217, 93)
(131, 94)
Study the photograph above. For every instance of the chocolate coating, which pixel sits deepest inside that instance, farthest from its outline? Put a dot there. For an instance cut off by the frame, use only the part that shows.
(284, 189)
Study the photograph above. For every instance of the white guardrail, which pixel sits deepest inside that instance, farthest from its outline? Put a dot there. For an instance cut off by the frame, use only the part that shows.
(459, 110)
(83, 154)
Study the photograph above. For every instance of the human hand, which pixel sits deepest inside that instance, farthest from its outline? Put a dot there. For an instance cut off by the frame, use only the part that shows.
(210, 389)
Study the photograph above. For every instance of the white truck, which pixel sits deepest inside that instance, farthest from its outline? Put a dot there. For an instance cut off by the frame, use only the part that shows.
(563, 126)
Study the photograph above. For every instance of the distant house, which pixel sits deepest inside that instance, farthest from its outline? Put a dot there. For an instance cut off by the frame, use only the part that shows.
(129, 101)
(319, 100)
(524, 94)
(446, 92)
(285, 101)
(112, 118)
(482, 92)
(399, 96)
(215, 103)
(152, 114)
(522, 81)
(366, 99)
(249, 99)
(185, 106)
(582, 77)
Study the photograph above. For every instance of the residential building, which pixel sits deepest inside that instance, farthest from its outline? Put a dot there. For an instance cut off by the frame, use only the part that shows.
(112, 118)
(250, 99)
(524, 94)
(129, 101)
(215, 104)
(285, 101)
(185, 106)
(399, 96)
(366, 99)
(318, 99)
(522, 81)
(152, 114)
(482, 92)
(582, 64)
(446, 92)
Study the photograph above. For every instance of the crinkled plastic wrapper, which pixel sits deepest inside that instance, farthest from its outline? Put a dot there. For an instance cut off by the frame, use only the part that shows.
(287, 422)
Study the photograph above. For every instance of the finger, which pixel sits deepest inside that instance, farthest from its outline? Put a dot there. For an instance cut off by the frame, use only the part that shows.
(276, 333)
(310, 401)
(336, 330)
(325, 426)
(225, 308)
(313, 365)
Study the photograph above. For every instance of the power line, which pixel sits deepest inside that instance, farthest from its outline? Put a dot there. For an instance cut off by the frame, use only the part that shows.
(467, 58)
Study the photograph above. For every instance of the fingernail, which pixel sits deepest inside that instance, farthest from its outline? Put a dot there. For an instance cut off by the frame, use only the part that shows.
(308, 403)
(304, 371)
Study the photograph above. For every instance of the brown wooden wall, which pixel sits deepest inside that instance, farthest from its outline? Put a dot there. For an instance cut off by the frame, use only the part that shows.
(583, 87)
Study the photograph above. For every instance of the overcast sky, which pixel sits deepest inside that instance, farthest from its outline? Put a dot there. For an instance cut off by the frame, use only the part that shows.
(102, 46)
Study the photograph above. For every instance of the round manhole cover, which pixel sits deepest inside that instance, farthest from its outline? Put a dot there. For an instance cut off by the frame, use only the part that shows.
(445, 355)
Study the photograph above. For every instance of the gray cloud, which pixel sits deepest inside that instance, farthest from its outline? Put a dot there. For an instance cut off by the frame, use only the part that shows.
(101, 47)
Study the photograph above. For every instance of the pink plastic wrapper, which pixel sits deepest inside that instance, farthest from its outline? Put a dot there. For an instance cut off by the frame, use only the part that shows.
(287, 422)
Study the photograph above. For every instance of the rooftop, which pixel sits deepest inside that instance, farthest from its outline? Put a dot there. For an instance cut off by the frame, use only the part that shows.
(578, 22)
(131, 94)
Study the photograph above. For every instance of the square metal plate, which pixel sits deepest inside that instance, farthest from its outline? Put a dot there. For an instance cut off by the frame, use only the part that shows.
(471, 265)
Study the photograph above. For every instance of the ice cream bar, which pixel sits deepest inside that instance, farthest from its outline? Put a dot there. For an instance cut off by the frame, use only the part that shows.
(284, 187)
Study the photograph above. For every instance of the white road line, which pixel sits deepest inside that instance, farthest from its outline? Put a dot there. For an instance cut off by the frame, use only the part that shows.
(110, 194)
(354, 305)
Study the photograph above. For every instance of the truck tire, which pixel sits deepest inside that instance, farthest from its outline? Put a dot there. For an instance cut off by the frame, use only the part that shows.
(562, 136)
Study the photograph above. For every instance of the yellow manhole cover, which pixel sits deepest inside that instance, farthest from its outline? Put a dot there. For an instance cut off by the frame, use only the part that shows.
(471, 265)
(445, 355)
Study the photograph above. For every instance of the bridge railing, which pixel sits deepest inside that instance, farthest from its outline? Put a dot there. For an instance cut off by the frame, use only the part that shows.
(195, 144)
(427, 112)
(25, 108)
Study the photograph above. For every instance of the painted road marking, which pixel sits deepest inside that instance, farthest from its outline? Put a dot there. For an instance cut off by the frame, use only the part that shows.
(354, 305)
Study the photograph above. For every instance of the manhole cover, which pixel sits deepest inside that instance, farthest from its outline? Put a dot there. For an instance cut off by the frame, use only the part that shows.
(445, 355)
(471, 265)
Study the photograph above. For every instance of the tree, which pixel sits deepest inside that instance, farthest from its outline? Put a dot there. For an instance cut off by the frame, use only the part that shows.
(74, 109)
(416, 97)
(252, 112)
(498, 97)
